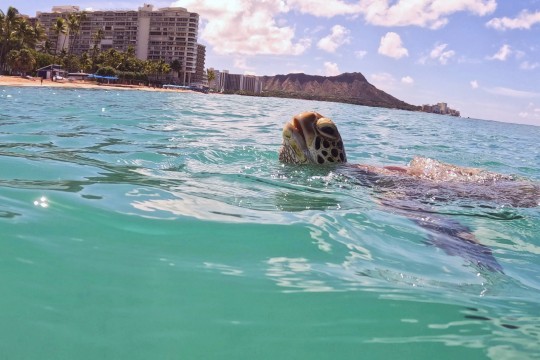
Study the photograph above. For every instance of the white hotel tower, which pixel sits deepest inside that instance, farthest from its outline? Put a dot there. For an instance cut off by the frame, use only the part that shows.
(156, 34)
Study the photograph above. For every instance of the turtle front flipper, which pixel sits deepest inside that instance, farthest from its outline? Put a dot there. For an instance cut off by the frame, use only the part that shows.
(456, 239)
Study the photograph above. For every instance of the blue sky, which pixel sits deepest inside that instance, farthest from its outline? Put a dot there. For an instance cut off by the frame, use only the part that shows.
(482, 57)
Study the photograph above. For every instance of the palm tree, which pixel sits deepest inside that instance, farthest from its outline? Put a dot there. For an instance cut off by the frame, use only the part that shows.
(176, 66)
(24, 35)
(74, 26)
(162, 68)
(12, 59)
(98, 36)
(150, 68)
(211, 75)
(59, 28)
(86, 62)
(8, 25)
(47, 47)
(27, 61)
(39, 35)
(21, 60)
(113, 58)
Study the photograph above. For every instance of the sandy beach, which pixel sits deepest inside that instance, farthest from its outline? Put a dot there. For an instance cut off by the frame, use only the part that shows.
(76, 84)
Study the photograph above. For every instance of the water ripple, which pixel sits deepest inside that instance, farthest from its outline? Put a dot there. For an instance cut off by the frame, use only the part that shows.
(165, 192)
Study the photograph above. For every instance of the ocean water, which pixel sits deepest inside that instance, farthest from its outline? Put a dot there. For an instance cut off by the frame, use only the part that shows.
(157, 225)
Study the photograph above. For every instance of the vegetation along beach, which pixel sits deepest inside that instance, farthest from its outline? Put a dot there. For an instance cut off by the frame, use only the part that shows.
(269, 180)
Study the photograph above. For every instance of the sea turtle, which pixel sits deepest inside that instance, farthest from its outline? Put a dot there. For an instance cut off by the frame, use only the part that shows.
(310, 138)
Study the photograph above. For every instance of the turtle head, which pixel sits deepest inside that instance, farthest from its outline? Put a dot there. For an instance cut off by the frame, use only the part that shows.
(310, 138)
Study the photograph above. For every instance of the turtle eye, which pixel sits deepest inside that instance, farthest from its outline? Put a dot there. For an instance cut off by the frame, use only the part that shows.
(328, 130)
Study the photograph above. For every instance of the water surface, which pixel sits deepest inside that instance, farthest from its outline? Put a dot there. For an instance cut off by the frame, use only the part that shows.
(149, 225)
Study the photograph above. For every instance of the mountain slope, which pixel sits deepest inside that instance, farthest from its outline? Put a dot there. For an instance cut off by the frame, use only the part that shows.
(348, 88)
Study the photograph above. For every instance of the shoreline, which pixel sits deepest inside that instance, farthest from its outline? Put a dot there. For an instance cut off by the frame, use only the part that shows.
(6, 80)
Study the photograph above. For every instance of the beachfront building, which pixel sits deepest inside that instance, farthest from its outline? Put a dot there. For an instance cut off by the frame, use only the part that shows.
(226, 82)
(440, 108)
(213, 83)
(200, 78)
(251, 84)
(50, 71)
(166, 34)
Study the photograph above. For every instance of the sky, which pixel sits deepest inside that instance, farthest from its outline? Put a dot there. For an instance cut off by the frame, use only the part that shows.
(481, 57)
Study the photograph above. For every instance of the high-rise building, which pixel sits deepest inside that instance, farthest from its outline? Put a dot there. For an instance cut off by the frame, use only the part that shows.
(200, 78)
(251, 84)
(166, 34)
(226, 82)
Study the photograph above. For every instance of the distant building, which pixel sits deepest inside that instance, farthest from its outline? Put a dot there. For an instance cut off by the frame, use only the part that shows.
(214, 83)
(440, 108)
(200, 79)
(50, 71)
(443, 107)
(233, 82)
(166, 34)
(251, 84)
(224, 81)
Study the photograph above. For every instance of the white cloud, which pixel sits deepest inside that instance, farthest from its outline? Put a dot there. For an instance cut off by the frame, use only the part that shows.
(524, 20)
(383, 81)
(315, 30)
(338, 37)
(439, 54)
(360, 54)
(424, 13)
(407, 80)
(325, 8)
(531, 112)
(246, 27)
(529, 66)
(392, 46)
(240, 63)
(331, 69)
(503, 53)
(474, 84)
(250, 27)
(513, 93)
(519, 54)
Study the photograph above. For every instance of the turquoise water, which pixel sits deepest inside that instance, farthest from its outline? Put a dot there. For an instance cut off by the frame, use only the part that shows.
(148, 225)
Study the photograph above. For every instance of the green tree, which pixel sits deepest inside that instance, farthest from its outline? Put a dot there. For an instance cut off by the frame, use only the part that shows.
(47, 47)
(17, 33)
(39, 35)
(9, 23)
(72, 63)
(21, 61)
(112, 58)
(74, 27)
(162, 68)
(59, 27)
(24, 35)
(106, 71)
(98, 36)
(211, 75)
(43, 59)
(85, 62)
(176, 66)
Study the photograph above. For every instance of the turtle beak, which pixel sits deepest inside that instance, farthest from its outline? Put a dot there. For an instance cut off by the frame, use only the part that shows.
(293, 137)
